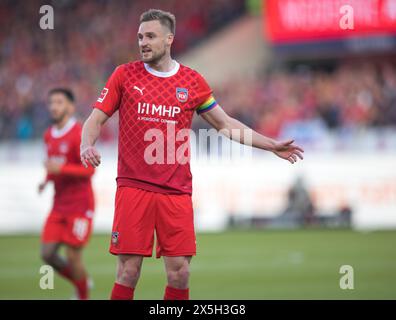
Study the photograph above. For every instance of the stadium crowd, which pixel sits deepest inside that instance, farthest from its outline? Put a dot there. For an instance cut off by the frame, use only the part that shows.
(89, 39)
(92, 37)
(353, 95)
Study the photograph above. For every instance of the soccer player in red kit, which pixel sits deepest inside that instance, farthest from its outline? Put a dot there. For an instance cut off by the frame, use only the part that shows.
(70, 220)
(152, 96)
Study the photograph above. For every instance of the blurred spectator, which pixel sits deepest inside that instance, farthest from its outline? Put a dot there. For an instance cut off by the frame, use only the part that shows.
(300, 207)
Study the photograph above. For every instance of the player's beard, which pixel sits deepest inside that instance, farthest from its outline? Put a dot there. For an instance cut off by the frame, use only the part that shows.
(156, 57)
(60, 118)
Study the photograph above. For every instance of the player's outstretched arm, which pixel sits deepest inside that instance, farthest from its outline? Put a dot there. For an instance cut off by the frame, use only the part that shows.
(90, 133)
(235, 130)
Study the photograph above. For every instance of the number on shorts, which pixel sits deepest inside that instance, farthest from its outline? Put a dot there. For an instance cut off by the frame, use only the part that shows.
(80, 228)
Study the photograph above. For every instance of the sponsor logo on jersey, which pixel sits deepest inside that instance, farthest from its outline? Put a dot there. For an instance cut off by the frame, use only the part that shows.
(182, 94)
(159, 110)
(58, 159)
(138, 89)
(103, 94)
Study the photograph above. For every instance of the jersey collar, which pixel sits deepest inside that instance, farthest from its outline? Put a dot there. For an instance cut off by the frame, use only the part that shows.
(161, 73)
(57, 133)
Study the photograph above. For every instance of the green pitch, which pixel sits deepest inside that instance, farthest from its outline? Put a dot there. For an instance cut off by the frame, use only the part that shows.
(231, 265)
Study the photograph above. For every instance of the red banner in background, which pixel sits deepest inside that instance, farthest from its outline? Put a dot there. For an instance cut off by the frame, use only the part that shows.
(301, 20)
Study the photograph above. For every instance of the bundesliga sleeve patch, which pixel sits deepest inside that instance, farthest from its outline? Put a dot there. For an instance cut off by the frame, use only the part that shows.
(103, 95)
(209, 104)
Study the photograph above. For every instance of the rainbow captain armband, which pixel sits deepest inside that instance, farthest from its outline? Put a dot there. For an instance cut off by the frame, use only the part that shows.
(209, 104)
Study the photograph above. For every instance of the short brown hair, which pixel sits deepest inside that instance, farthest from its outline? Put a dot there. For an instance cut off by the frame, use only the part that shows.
(167, 19)
(65, 91)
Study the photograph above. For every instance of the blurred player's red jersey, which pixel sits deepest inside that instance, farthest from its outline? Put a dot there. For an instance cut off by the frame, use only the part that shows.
(73, 189)
(163, 101)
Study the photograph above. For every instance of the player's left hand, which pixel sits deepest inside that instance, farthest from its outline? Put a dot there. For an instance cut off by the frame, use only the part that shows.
(288, 151)
(52, 167)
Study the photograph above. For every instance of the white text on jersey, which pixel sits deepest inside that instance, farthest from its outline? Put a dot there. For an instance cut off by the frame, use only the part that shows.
(161, 110)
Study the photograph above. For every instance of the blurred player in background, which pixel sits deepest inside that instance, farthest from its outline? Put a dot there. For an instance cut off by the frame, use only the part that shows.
(70, 220)
(158, 93)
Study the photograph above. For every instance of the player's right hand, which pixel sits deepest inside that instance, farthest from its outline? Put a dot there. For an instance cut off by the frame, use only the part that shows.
(89, 155)
(42, 186)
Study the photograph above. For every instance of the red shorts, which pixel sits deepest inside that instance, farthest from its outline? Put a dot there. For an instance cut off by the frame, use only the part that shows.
(70, 229)
(139, 212)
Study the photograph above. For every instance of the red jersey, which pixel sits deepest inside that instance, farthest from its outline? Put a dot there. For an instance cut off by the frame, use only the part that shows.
(155, 108)
(73, 190)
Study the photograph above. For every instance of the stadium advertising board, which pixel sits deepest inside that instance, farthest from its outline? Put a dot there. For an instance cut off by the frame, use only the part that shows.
(309, 20)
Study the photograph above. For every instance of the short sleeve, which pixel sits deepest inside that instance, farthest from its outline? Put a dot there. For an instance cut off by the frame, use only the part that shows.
(110, 97)
(205, 99)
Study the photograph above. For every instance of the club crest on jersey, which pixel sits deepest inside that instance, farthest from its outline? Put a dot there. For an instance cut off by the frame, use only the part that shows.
(63, 147)
(182, 94)
(114, 237)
